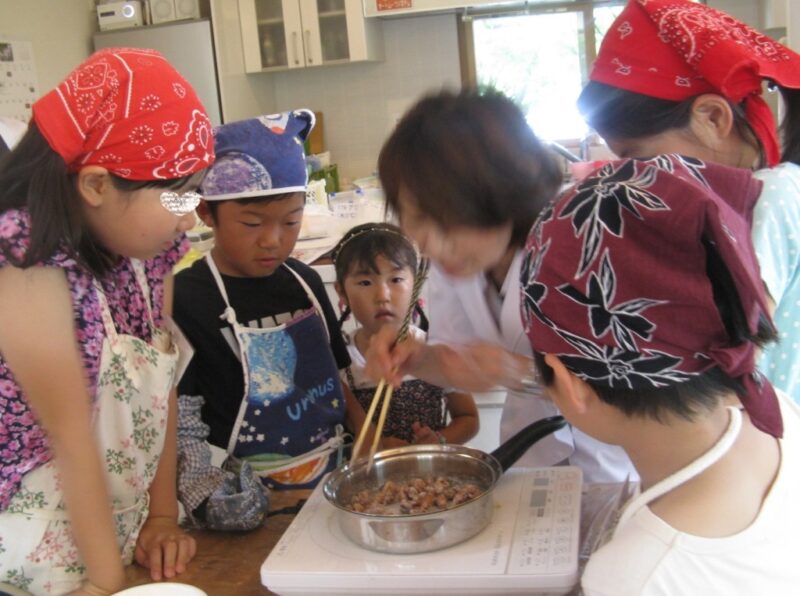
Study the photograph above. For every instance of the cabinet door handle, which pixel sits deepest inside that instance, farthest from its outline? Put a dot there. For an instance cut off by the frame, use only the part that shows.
(294, 47)
(308, 46)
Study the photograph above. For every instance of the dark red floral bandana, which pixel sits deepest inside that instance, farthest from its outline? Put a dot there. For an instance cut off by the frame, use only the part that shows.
(614, 280)
(677, 49)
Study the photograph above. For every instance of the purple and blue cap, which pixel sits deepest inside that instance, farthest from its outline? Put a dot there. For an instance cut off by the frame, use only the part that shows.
(259, 157)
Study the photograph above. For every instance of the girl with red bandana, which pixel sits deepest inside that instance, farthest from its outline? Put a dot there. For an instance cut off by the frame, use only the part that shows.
(94, 201)
(674, 76)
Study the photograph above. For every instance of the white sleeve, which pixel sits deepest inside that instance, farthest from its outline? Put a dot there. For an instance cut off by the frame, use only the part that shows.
(449, 322)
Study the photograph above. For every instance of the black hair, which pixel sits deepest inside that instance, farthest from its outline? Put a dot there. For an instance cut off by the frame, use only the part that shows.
(703, 392)
(615, 112)
(213, 206)
(790, 127)
(363, 244)
(470, 159)
(34, 177)
(620, 114)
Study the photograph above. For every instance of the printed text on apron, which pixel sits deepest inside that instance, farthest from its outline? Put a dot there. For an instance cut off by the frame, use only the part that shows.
(291, 415)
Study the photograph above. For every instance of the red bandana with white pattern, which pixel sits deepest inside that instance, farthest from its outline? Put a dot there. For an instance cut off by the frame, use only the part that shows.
(677, 49)
(614, 281)
(129, 111)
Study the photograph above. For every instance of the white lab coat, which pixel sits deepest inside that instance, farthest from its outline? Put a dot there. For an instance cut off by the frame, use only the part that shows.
(459, 314)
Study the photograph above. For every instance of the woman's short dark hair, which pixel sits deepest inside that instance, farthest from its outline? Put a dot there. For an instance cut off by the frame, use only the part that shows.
(619, 114)
(470, 159)
(34, 177)
(704, 391)
(790, 127)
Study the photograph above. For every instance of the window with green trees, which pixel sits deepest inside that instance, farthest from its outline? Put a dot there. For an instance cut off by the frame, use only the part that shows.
(538, 54)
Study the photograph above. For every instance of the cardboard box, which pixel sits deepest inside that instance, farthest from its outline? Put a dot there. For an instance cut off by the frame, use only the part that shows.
(315, 143)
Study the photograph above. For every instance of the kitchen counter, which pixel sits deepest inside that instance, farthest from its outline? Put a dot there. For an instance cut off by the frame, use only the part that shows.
(230, 562)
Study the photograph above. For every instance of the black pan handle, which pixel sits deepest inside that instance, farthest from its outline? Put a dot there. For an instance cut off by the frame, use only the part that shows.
(509, 452)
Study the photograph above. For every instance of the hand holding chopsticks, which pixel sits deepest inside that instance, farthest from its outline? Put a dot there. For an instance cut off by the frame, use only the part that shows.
(384, 389)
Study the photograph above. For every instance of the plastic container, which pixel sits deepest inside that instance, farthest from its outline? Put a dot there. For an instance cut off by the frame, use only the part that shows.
(353, 207)
(316, 195)
(346, 204)
(317, 222)
(330, 175)
(367, 182)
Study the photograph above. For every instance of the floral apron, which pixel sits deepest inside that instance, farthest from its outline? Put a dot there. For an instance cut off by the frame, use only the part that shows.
(130, 421)
(291, 417)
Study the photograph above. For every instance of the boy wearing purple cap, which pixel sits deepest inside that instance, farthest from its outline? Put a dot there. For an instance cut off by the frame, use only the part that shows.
(644, 307)
(265, 373)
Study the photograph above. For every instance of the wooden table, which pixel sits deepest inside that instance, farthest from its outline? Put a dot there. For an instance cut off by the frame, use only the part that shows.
(229, 563)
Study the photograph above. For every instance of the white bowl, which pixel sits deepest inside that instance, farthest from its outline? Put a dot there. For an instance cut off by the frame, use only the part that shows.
(162, 589)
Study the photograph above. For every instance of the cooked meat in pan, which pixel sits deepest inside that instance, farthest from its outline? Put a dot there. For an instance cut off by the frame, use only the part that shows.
(415, 495)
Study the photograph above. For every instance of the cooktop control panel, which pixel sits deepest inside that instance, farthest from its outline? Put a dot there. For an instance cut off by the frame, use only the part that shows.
(548, 520)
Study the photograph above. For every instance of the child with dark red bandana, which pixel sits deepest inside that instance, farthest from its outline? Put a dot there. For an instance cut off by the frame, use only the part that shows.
(644, 307)
(94, 201)
(674, 76)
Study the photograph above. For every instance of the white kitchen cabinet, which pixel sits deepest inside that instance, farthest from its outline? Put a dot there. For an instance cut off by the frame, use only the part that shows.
(400, 8)
(284, 34)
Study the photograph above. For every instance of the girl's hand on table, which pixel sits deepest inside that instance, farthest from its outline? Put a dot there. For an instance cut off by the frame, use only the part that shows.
(164, 548)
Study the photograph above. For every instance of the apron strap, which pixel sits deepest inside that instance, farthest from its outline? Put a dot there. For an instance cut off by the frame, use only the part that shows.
(144, 287)
(698, 466)
(312, 297)
(229, 314)
(350, 379)
(105, 314)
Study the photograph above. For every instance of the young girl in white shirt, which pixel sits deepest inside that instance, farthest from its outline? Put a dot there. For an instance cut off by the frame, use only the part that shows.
(375, 271)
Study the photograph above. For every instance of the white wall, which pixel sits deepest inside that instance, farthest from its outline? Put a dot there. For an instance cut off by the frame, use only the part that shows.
(793, 24)
(361, 102)
(749, 11)
(775, 13)
(59, 30)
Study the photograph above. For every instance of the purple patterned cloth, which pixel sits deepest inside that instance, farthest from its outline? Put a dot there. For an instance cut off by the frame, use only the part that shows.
(23, 442)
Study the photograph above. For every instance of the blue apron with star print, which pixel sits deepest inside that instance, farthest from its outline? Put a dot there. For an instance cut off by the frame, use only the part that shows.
(290, 421)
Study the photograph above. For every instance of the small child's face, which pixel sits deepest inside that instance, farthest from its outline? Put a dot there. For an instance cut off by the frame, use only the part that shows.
(253, 240)
(462, 251)
(378, 298)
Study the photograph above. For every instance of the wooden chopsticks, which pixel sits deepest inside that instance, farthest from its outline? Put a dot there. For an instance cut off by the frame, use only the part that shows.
(384, 390)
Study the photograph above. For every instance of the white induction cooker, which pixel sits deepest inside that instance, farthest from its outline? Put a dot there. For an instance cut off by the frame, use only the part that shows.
(529, 547)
